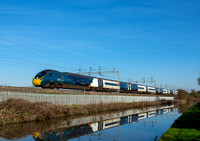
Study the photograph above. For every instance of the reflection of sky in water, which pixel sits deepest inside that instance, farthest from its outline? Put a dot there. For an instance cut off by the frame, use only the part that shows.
(143, 130)
(27, 138)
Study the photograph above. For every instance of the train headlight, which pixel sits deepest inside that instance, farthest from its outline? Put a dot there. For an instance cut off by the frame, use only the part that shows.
(36, 82)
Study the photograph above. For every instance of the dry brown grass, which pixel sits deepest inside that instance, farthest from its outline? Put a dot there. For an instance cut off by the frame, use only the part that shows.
(102, 107)
(19, 110)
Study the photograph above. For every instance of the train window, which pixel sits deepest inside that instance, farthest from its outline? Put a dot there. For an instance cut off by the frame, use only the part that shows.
(39, 75)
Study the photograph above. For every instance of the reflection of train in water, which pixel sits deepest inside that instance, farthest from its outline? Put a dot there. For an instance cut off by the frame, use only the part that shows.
(78, 131)
(54, 79)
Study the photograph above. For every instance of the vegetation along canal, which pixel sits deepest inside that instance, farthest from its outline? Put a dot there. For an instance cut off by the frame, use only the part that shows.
(133, 124)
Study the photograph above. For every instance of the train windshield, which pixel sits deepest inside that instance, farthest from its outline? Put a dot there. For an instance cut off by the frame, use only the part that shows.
(39, 75)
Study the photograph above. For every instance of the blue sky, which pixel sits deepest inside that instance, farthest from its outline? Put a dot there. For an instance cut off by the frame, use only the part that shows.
(158, 39)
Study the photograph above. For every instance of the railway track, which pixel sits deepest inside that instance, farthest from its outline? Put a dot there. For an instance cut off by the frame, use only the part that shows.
(64, 91)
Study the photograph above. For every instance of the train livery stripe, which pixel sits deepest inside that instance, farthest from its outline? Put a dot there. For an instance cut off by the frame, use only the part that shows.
(141, 88)
(112, 123)
(111, 84)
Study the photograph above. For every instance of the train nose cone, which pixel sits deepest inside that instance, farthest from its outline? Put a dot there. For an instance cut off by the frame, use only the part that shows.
(36, 82)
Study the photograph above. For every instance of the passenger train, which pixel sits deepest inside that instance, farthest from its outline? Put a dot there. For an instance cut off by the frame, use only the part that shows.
(65, 80)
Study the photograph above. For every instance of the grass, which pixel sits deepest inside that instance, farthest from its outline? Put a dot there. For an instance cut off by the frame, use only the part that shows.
(178, 134)
(19, 110)
(186, 127)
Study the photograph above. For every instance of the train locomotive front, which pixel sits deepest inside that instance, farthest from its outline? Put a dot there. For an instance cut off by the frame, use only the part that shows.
(37, 80)
(55, 79)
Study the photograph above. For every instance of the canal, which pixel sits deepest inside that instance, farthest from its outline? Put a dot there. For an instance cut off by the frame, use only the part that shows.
(136, 124)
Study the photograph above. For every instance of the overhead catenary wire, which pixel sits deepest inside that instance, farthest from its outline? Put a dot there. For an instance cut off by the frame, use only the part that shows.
(48, 52)
(10, 64)
(55, 55)
(27, 62)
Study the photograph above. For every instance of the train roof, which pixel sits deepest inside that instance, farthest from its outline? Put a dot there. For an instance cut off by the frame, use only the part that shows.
(49, 70)
(75, 74)
(138, 84)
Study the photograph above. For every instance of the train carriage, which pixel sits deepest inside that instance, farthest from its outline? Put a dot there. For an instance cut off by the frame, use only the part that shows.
(138, 88)
(172, 92)
(110, 85)
(164, 91)
(168, 91)
(151, 114)
(124, 87)
(159, 90)
(142, 116)
(75, 81)
(111, 123)
(151, 89)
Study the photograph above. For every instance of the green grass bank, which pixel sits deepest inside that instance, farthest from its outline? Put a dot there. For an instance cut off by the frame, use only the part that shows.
(186, 127)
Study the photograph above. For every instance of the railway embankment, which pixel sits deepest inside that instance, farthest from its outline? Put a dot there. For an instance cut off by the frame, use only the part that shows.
(20, 110)
(186, 127)
(65, 91)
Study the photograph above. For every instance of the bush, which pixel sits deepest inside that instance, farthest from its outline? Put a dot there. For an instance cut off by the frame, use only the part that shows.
(186, 96)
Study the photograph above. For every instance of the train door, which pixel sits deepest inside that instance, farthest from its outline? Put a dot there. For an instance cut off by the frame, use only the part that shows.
(100, 84)
(129, 87)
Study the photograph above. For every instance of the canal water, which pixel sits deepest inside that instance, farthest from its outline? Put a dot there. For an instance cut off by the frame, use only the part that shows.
(137, 124)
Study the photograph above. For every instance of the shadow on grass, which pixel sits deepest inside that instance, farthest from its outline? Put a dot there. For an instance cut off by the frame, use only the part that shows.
(189, 119)
(186, 127)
